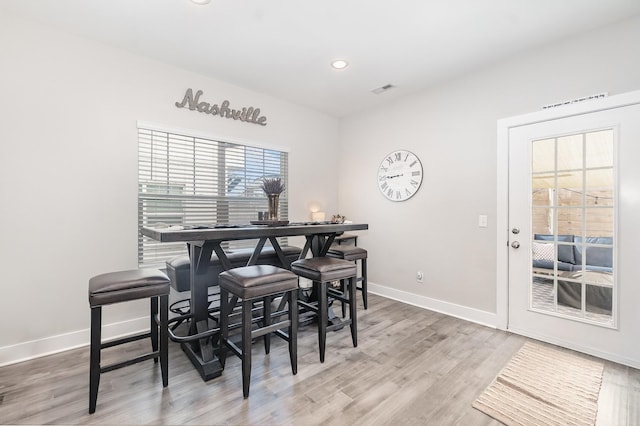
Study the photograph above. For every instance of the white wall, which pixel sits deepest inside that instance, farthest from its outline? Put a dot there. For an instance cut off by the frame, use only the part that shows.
(68, 172)
(452, 128)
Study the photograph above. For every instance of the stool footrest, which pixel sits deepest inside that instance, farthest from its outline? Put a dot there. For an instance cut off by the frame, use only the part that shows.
(281, 334)
(337, 295)
(192, 337)
(183, 306)
(126, 339)
(309, 306)
(234, 348)
(269, 329)
(110, 367)
(313, 306)
(339, 325)
(234, 327)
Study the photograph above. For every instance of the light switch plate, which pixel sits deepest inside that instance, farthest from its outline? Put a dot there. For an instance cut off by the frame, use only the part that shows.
(482, 221)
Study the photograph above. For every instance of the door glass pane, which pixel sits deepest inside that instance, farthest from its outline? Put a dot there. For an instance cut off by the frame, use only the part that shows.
(543, 293)
(599, 301)
(542, 220)
(569, 295)
(570, 152)
(599, 187)
(599, 149)
(569, 187)
(573, 201)
(570, 221)
(599, 222)
(543, 156)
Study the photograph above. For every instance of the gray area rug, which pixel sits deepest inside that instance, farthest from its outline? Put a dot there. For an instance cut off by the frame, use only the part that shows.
(544, 386)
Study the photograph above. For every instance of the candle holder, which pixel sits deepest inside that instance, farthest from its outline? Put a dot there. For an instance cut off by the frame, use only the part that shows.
(273, 201)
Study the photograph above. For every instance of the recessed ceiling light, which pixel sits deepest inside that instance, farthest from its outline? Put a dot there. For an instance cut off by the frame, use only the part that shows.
(201, 1)
(339, 64)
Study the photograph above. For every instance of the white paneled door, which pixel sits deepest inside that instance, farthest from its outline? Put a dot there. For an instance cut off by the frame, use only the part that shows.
(574, 231)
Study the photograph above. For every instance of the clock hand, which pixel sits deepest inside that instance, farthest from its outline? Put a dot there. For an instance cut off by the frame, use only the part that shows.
(394, 176)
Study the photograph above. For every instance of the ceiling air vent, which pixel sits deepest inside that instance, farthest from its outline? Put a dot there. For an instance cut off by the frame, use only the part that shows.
(382, 89)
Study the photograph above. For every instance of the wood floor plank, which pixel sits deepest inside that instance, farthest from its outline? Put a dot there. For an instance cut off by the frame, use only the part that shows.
(411, 366)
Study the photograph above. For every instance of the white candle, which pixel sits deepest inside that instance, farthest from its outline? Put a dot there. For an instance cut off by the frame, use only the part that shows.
(318, 216)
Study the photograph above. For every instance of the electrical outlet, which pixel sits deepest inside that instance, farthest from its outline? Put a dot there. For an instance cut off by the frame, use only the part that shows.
(420, 277)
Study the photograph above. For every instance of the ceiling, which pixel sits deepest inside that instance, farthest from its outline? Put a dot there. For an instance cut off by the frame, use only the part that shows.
(283, 47)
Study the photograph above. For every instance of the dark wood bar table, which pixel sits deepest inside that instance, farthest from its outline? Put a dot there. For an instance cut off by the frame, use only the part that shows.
(203, 241)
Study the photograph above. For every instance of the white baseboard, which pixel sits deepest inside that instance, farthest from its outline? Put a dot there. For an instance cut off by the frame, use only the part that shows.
(63, 342)
(488, 319)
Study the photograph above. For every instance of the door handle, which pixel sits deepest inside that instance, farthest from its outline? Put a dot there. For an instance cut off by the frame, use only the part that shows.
(515, 244)
(515, 231)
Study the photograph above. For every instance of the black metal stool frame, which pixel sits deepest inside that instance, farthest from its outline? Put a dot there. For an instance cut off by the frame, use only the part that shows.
(361, 279)
(324, 292)
(227, 305)
(159, 344)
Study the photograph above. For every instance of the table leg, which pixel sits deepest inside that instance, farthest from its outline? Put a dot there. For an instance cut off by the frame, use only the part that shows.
(276, 246)
(201, 352)
(256, 252)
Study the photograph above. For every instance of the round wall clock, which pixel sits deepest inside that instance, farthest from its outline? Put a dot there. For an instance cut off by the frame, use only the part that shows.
(400, 175)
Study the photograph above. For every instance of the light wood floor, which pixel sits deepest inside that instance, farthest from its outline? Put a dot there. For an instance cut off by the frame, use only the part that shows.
(412, 366)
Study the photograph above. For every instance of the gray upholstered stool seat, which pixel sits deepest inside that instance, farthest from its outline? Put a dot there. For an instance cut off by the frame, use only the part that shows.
(251, 284)
(123, 286)
(322, 271)
(346, 239)
(353, 254)
(347, 252)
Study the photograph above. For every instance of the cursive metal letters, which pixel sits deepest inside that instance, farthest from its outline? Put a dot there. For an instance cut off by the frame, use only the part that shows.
(249, 115)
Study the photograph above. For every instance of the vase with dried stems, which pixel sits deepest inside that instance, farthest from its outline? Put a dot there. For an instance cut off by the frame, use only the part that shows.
(273, 187)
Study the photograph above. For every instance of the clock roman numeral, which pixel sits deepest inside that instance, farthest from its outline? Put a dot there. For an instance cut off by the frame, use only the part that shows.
(414, 183)
(415, 173)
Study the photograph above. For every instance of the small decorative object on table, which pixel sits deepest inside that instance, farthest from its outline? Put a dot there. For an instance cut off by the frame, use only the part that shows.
(338, 219)
(273, 187)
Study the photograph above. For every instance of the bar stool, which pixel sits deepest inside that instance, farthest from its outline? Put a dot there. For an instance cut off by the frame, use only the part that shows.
(353, 254)
(123, 286)
(322, 271)
(345, 239)
(253, 284)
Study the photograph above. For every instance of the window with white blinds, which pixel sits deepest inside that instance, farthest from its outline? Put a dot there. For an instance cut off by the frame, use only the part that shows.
(187, 180)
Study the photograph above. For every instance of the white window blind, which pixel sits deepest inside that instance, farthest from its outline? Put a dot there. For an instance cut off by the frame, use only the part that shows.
(186, 180)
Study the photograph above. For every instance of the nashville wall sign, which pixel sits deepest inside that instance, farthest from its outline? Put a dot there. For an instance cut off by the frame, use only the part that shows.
(246, 114)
